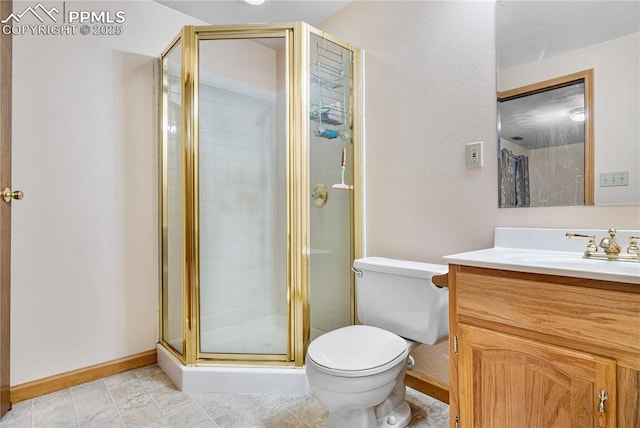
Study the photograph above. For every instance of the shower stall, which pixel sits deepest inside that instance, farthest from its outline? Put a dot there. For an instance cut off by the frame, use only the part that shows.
(260, 148)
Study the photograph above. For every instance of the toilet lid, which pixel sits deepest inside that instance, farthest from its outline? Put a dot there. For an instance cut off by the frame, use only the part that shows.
(356, 348)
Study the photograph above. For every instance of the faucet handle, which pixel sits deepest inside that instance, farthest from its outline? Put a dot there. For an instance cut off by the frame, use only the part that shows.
(591, 245)
(633, 245)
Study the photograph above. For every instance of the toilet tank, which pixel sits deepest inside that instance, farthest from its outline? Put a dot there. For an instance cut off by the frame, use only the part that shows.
(398, 296)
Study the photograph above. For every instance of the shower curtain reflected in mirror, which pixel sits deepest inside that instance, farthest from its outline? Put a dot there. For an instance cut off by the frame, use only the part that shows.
(514, 180)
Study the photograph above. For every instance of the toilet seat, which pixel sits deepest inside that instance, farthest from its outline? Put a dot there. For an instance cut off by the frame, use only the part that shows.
(357, 350)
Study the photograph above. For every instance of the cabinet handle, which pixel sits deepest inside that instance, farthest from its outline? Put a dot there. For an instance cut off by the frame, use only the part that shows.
(602, 395)
(601, 418)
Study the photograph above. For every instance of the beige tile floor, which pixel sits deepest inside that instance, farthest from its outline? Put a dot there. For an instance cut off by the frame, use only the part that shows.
(146, 398)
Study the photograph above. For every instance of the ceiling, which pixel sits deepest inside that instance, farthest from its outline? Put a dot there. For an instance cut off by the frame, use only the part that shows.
(527, 31)
(541, 120)
(219, 12)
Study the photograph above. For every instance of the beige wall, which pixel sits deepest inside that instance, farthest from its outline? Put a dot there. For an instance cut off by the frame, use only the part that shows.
(430, 89)
(85, 286)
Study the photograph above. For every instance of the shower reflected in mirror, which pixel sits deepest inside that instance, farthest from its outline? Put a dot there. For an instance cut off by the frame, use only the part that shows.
(546, 143)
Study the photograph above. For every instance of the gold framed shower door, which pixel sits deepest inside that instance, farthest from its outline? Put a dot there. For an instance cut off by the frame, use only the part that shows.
(297, 129)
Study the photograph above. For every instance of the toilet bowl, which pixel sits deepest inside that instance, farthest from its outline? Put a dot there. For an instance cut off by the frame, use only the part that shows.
(357, 372)
(353, 370)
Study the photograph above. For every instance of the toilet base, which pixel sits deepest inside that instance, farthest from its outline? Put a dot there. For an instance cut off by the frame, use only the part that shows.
(397, 418)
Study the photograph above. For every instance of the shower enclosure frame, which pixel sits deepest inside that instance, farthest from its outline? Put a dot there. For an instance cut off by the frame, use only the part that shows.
(298, 193)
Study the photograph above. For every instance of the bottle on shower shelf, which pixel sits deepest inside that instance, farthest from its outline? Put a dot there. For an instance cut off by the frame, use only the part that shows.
(330, 114)
(325, 132)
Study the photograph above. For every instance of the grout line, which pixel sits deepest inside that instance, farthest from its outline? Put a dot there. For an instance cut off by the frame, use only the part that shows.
(113, 401)
(31, 411)
(73, 406)
(155, 403)
(203, 410)
(147, 392)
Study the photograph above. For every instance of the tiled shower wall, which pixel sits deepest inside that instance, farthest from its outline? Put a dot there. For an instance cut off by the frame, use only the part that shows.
(330, 259)
(240, 243)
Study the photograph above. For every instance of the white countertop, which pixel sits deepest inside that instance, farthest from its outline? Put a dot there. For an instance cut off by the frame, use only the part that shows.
(508, 255)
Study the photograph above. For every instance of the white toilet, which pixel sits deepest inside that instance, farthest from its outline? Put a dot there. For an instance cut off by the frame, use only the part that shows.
(357, 372)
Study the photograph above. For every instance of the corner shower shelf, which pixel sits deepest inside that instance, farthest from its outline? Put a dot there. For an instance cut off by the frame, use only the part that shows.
(328, 73)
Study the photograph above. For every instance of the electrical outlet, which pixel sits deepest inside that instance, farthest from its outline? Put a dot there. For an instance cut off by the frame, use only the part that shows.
(613, 179)
(474, 155)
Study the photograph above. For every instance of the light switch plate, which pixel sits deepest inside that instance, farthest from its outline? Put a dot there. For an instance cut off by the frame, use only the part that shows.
(613, 179)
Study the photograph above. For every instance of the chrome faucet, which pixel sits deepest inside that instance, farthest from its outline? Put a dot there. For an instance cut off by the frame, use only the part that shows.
(609, 245)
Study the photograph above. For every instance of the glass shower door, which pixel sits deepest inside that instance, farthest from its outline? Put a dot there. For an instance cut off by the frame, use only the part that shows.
(242, 196)
(331, 173)
(260, 165)
(172, 201)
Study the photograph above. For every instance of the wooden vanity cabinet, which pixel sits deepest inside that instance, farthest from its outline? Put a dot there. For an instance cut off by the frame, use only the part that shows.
(532, 350)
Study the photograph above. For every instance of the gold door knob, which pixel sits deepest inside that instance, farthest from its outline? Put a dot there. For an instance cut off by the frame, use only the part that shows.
(8, 194)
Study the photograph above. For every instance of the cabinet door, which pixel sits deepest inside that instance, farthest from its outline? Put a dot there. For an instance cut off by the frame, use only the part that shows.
(507, 381)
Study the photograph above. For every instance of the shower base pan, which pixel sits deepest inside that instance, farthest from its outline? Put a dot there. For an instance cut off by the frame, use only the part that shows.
(256, 380)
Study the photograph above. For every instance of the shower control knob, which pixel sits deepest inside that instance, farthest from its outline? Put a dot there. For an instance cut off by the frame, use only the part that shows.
(8, 194)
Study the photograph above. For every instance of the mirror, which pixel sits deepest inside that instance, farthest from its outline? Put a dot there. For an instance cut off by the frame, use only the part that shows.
(541, 49)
